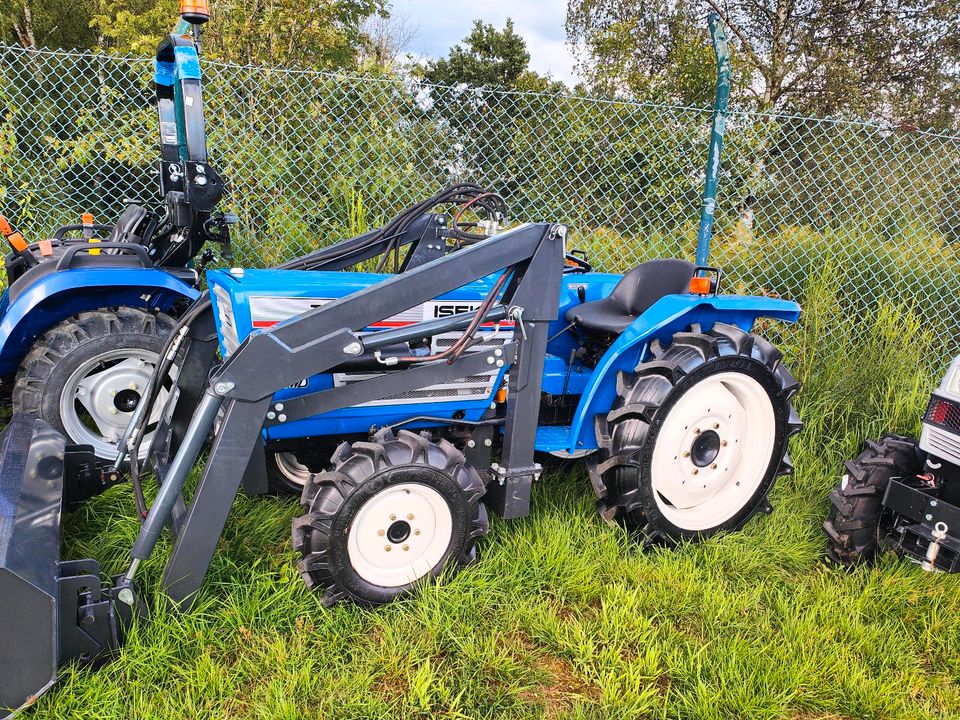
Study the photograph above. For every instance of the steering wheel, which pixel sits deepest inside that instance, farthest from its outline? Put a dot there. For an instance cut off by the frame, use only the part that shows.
(575, 263)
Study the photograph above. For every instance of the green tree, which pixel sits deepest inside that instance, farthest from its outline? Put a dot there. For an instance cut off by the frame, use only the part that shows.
(259, 32)
(897, 60)
(47, 23)
(489, 58)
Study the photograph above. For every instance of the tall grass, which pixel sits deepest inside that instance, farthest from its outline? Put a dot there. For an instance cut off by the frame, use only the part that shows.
(564, 617)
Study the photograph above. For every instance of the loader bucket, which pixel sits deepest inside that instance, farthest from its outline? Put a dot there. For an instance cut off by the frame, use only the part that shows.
(31, 490)
(51, 610)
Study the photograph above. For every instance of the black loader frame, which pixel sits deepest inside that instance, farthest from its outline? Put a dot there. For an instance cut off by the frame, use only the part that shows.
(79, 619)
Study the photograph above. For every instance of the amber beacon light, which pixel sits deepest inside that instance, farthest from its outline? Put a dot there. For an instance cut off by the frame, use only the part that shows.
(195, 11)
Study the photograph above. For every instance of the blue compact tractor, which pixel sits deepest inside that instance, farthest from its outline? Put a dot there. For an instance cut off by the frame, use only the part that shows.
(406, 405)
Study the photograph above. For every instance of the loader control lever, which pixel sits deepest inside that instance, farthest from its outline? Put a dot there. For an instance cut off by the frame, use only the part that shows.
(17, 243)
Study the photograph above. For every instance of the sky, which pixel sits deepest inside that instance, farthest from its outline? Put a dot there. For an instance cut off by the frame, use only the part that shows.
(442, 23)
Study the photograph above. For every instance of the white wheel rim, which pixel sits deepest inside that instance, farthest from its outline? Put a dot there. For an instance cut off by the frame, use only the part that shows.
(575, 455)
(291, 468)
(694, 495)
(379, 556)
(98, 388)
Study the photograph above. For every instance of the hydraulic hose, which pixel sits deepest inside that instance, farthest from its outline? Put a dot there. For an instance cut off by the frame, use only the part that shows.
(134, 435)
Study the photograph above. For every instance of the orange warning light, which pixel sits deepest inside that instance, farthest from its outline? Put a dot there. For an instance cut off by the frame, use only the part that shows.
(195, 11)
(700, 286)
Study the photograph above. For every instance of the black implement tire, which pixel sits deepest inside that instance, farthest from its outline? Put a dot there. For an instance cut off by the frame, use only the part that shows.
(671, 466)
(88, 344)
(375, 497)
(853, 525)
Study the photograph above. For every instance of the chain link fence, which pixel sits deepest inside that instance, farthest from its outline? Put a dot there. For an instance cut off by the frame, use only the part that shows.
(313, 157)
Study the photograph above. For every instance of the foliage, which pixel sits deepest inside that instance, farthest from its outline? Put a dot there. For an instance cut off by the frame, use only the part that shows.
(488, 58)
(878, 58)
(48, 23)
(316, 35)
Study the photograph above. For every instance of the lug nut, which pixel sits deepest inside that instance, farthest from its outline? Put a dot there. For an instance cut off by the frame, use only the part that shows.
(381, 533)
(723, 443)
(696, 431)
(393, 517)
(695, 471)
(716, 426)
(113, 411)
(134, 386)
(406, 547)
(409, 516)
(713, 467)
(416, 532)
(386, 548)
(686, 454)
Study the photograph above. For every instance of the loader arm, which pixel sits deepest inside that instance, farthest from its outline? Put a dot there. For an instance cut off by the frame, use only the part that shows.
(325, 337)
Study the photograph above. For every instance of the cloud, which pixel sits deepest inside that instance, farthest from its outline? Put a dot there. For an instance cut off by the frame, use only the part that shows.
(442, 24)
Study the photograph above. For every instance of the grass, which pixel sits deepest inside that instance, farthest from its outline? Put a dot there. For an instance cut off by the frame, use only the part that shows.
(564, 617)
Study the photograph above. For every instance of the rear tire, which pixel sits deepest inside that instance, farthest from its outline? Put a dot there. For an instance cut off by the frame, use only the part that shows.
(696, 437)
(85, 375)
(390, 514)
(853, 525)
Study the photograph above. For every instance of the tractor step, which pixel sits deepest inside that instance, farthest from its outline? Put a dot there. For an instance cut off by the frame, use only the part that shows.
(552, 438)
(53, 611)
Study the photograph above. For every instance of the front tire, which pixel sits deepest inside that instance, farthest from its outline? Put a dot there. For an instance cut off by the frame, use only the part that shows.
(390, 514)
(85, 376)
(853, 526)
(696, 437)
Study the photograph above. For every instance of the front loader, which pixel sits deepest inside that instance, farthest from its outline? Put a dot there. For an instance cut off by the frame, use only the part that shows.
(421, 399)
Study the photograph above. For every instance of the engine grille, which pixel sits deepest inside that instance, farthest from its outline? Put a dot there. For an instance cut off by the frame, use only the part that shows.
(473, 387)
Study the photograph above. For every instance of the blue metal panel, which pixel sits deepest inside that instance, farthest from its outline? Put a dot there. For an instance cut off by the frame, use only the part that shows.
(60, 295)
(553, 438)
(284, 284)
(671, 314)
(187, 63)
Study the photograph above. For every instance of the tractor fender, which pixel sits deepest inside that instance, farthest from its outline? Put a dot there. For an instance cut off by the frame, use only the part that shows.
(669, 315)
(60, 295)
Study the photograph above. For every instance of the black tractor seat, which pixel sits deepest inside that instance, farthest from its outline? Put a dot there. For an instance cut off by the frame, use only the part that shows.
(636, 292)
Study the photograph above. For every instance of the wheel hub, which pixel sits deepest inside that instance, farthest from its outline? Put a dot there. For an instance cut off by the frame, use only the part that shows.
(126, 400)
(705, 448)
(398, 532)
(712, 450)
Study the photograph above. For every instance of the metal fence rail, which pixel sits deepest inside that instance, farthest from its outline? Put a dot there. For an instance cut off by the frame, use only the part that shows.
(313, 157)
